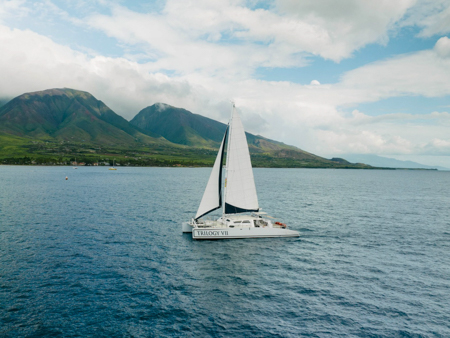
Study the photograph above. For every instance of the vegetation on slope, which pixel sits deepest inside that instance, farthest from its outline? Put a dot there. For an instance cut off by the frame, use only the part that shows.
(56, 126)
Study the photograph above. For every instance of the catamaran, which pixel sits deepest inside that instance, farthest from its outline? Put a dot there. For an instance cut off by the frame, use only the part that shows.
(241, 216)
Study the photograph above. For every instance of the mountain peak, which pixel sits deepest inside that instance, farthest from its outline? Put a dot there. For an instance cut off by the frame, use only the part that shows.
(72, 93)
(163, 106)
(179, 125)
(65, 114)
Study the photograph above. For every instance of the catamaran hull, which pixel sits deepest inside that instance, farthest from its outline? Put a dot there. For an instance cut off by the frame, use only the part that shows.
(229, 233)
(186, 227)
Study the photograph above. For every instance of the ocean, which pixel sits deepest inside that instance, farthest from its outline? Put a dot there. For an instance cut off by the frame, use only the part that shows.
(101, 254)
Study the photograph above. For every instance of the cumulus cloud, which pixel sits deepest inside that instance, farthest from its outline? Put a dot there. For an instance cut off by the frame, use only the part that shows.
(12, 8)
(435, 147)
(435, 18)
(197, 36)
(175, 41)
(32, 62)
(345, 26)
(442, 47)
(423, 73)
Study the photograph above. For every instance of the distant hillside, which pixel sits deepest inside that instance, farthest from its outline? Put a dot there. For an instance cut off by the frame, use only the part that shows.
(66, 114)
(379, 161)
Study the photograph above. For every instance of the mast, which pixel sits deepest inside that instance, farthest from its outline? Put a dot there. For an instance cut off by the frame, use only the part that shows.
(227, 159)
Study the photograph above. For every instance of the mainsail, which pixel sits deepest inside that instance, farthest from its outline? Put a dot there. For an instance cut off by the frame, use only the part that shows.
(212, 197)
(240, 194)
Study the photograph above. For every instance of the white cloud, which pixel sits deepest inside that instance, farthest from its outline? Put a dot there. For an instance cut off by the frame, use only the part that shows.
(226, 36)
(437, 147)
(442, 47)
(32, 62)
(12, 9)
(346, 25)
(435, 18)
(177, 41)
(423, 73)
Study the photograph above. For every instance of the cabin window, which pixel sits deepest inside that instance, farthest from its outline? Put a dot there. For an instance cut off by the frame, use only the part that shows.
(245, 221)
(237, 222)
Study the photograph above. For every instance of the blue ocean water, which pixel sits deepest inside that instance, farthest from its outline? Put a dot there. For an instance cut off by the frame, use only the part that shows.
(102, 255)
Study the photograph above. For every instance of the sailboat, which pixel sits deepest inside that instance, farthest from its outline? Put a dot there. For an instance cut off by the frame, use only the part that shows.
(241, 215)
(112, 168)
(75, 167)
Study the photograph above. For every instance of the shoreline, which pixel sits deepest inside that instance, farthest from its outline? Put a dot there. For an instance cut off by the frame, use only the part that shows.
(199, 167)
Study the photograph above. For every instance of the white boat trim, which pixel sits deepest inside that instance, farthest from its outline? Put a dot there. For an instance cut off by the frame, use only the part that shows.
(227, 233)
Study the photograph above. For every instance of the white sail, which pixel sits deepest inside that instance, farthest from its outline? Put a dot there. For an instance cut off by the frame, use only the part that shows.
(240, 184)
(212, 197)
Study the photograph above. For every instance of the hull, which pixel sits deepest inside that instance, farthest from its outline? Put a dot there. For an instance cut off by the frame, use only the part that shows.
(229, 233)
(186, 227)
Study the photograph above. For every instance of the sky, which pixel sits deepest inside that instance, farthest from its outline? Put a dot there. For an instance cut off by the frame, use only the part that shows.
(330, 77)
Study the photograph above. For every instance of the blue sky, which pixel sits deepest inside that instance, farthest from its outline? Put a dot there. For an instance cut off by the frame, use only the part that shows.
(328, 71)
(330, 77)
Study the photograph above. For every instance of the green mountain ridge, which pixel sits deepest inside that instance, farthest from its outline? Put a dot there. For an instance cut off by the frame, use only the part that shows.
(180, 126)
(68, 115)
(183, 127)
(58, 124)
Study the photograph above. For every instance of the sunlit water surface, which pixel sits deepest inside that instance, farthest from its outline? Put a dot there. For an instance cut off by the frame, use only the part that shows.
(102, 255)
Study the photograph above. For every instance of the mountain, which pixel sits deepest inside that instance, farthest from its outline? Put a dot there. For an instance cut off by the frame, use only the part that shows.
(3, 101)
(56, 125)
(68, 115)
(183, 127)
(179, 125)
(379, 161)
